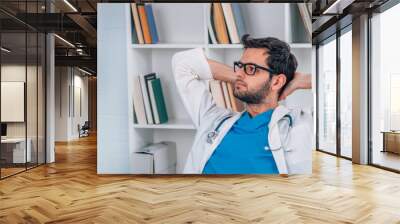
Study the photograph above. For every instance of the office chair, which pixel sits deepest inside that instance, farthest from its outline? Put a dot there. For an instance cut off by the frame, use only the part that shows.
(84, 130)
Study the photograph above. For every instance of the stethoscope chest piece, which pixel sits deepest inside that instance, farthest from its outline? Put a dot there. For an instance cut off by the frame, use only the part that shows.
(211, 136)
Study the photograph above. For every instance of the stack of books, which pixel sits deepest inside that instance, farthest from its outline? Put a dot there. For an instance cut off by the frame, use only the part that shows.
(225, 23)
(222, 93)
(148, 100)
(144, 30)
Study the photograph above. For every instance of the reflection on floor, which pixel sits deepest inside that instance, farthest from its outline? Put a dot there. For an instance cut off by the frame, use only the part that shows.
(10, 169)
(386, 159)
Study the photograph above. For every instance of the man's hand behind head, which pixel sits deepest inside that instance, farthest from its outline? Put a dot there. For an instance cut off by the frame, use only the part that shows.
(300, 81)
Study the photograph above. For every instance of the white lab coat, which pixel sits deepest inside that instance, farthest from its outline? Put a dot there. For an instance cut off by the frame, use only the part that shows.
(291, 146)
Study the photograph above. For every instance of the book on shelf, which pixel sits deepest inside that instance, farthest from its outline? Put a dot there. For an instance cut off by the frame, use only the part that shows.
(136, 22)
(144, 24)
(133, 32)
(225, 23)
(157, 101)
(138, 102)
(210, 25)
(152, 24)
(236, 104)
(230, 23)
(219, 24)
(305, 13)
(226, 95)
(148, 100)
(239, 22)
(222, 93)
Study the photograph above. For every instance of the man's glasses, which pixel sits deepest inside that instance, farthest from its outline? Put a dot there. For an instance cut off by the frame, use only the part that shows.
(249, 68)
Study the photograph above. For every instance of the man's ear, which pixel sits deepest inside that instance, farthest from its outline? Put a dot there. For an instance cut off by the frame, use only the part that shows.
(278, 81)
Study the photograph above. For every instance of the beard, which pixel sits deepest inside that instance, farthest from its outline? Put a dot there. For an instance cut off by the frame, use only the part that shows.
(255, 96)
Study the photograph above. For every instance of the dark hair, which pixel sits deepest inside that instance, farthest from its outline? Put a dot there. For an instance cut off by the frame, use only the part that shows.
(280, 59)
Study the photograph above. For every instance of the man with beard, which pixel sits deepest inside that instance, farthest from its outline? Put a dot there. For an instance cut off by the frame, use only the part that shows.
(266, 138)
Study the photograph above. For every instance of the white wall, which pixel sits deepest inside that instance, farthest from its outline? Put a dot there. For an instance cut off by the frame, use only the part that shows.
(68, 81)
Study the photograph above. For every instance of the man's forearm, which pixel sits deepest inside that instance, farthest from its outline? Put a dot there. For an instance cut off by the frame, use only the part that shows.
(221, 71)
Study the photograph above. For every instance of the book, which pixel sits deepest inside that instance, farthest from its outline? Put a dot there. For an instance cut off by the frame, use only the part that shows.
(219, 24)
(146, 100)
(153, 104)
(136, 20)
(216, 92)
(152, 24)
(158, 102)
(237, 14)
(230, 23)
(144, 23)
(226, 95)
(138, 104)
(133, 31)
(236, 104)
(210, 26)
(147, 79)
(306, 17)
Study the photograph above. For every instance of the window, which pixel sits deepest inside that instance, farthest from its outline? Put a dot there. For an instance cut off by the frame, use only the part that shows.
(327, 97)
(385, 89)
(346, 93)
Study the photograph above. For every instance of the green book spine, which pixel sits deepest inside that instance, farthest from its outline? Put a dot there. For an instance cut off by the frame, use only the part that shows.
(159, 97)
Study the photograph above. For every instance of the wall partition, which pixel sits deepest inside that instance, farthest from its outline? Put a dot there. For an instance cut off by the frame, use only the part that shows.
(22, 78)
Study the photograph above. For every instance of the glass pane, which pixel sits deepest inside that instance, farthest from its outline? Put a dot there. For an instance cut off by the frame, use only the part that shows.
(346, 94)
(327, 97)
(31, 100)
(41, 99)
(385, 84)
(13, 88)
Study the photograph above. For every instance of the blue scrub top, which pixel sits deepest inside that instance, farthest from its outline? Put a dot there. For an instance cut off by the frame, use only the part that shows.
(242, 151)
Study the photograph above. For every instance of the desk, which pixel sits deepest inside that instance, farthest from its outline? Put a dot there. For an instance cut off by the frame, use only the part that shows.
(391, 141)
(16, 148)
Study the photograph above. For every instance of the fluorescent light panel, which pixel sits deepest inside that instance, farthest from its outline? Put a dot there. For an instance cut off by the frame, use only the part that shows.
(70, 5)
(64, 40)
(84, 71)
(5, 50)
(338, 6)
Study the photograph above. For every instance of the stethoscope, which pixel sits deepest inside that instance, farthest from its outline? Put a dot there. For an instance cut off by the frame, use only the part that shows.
(211, 136)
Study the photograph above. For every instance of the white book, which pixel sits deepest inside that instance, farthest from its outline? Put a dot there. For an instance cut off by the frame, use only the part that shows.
(230, 23)
(216, 92)
(306, 17)
(136, 21)
(138, 101)
(210, 26)
(226, 95)
(153, 102)
(146, 100)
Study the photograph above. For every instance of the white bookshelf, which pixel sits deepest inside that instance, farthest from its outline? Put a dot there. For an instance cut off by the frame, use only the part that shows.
(173, 123)
(180, 26)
